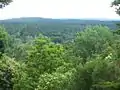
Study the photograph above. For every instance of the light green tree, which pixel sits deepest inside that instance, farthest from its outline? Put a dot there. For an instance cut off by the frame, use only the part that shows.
(92, 41)
(45, 57)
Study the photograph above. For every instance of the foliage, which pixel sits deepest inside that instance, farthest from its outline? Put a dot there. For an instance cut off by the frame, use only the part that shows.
(90, 61)
(45, 57)
(92, 41)
(3, 40)
(17, 49)
(116, 3)
(11, 73)
(60, 31)
(65, 57)
(3, 3)
(55, 81)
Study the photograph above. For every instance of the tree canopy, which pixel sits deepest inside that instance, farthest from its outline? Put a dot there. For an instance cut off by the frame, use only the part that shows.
(89, 60)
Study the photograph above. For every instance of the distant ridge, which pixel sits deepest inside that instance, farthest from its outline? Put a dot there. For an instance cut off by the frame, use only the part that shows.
(34, 25)
(38, 18)
(57, 21)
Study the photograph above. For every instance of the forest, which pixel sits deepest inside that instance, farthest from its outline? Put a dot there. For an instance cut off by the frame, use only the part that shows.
(59, 54)
(59, 30)
(51, 54)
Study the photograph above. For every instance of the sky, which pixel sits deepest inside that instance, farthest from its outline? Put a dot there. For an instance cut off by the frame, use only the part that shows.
(59, 9)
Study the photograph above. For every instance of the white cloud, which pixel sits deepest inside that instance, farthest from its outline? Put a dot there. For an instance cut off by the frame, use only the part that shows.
(59, 9)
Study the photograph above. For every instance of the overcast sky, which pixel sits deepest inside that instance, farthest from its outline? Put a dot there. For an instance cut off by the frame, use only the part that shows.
(59, 9)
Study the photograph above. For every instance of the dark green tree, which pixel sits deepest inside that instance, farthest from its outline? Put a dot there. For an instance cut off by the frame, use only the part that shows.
(116, 4)
(3, 40)
(3, 3)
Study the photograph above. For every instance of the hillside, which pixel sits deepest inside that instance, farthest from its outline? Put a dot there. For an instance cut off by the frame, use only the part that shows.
(50, 20)
(62, 29)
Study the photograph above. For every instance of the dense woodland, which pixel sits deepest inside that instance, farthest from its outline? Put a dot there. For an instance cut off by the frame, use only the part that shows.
(59, 55)
(59, 30)
(54, 54)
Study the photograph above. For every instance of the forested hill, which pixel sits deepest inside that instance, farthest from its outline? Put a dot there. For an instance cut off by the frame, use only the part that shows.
(57, 29)
(65, 57)
(59, 21)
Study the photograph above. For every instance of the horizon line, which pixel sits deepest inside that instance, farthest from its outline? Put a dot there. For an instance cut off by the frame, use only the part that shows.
(64, 18)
